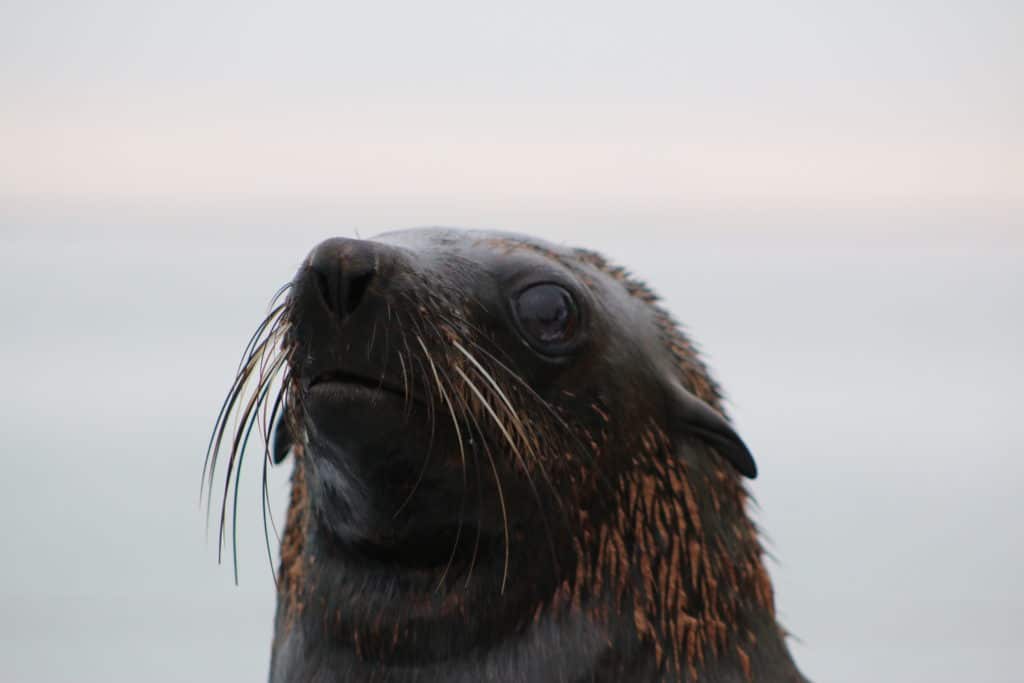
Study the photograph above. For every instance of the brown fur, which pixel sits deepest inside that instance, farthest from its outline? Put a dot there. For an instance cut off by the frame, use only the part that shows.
(693, 581)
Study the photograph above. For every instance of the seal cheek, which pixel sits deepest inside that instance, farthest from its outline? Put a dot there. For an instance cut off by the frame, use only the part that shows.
(690, 415)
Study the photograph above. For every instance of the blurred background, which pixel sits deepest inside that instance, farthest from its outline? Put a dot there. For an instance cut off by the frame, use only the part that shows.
(829, 195)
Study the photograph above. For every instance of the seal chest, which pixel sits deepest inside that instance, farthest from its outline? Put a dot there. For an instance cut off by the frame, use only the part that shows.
(510, 464)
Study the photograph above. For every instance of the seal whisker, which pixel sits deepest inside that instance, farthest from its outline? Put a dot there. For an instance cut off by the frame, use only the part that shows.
(274, 316)
(417, 331)
(249, 419)
(373, 338)
(261, 340)
(237, 390)
(490, 411)
(387, 343)
(430, 443)
(264, 506)
(486, 405)
(516, 420)
(581, 448)
(408, 379)
(279, 293)
(462, 459)
(234, 468)
(490, 380)
(279, 404)
(247, 365)
(473, 424)
(501, 500)
(277, 333)
(544, 404)
(387, 359)
(520, 429)
(405, 378)
(521, 382)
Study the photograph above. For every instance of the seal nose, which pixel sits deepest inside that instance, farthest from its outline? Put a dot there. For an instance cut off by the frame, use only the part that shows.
(343, 269)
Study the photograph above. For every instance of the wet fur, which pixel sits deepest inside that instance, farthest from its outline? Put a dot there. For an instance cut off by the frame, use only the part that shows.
(626, 551)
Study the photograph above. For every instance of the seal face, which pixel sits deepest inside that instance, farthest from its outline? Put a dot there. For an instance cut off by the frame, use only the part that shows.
(509, 464)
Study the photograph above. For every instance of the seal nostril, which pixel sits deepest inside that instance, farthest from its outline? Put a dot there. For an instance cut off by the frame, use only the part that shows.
(324, 286)
(357, 287)
(340, 272)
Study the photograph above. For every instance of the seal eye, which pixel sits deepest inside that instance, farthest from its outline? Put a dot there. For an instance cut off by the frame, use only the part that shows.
(547, 315)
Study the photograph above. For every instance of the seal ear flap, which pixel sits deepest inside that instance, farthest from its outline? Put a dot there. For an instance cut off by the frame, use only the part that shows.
(281, 442)
(693, 416)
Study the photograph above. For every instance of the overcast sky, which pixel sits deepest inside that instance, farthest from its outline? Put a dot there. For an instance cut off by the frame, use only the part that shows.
(562, 106)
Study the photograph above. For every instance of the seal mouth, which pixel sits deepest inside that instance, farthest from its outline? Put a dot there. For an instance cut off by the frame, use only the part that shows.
(334, 380)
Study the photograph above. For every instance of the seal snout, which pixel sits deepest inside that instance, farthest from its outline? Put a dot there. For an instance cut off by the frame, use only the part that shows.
(341, 310)
(343, 270)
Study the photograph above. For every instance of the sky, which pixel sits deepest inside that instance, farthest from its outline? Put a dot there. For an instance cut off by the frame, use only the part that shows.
(454, 111)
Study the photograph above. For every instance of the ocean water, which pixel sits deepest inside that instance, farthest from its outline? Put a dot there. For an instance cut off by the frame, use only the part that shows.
(879, 385)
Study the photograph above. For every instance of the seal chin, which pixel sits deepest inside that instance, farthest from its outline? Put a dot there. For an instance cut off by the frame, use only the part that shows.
(388, 514)
(380, 480)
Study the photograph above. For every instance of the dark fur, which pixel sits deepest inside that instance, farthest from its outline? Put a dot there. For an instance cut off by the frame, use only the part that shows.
(465, 508)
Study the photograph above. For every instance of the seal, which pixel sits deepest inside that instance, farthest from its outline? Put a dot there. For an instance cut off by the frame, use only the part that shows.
(510, 464)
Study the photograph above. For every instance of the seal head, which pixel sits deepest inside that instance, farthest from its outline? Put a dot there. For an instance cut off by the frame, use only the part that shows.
(509, 464)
